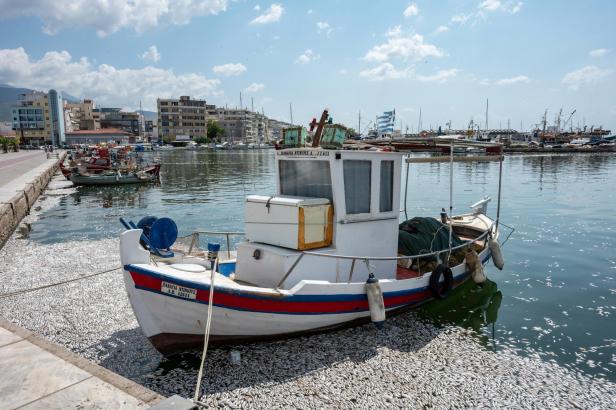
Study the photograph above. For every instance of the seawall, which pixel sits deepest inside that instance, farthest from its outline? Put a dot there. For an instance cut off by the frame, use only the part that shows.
(19, 195)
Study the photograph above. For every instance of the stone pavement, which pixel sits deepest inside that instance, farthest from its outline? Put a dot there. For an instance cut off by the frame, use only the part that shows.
(37, 374)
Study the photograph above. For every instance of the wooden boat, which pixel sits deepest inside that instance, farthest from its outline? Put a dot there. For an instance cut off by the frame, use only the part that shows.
(149, 174)
(322, 253)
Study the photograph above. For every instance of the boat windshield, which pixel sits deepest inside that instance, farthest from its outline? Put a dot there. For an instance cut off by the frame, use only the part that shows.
(306, 178)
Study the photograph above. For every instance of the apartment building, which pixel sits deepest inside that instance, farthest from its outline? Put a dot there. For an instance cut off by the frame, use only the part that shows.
(81, 116)
(182, 119)
(128, 121)
(38, 118)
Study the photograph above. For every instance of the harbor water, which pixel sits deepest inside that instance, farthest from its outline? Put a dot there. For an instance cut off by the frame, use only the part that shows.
(556, 295)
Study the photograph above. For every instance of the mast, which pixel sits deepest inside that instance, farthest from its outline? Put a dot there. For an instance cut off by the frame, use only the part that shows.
(419, 123)
(487, 107)
(241, 103)
(140, 119)
(252, 104)
(359, 123)
(291, 112)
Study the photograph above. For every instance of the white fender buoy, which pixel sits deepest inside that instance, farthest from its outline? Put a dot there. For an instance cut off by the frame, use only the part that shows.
(375, 301)
(497, 255)
(475, 267)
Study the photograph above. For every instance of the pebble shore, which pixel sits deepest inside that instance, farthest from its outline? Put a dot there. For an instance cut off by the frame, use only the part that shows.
(410, 363)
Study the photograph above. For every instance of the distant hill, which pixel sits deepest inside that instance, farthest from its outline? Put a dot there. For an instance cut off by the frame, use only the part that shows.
(150, 115)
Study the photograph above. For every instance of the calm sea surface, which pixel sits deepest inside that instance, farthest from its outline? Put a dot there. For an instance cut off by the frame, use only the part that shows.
(556, 295)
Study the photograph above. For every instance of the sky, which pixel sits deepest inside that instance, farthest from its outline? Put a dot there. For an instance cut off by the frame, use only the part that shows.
(350, 56)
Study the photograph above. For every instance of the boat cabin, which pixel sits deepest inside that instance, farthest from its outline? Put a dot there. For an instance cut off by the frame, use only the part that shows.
(327, 202)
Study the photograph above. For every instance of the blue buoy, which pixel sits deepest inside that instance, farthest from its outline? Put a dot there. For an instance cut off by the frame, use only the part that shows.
(145, 224)
(163, 233)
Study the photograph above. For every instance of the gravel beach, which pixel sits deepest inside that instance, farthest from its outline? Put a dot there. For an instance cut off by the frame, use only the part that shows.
(410, 363)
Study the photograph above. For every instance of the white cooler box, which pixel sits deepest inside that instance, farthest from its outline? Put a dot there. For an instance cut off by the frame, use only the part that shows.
(291, 222)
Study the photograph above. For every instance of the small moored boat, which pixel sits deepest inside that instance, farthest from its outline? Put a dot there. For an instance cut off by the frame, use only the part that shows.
(325, 251)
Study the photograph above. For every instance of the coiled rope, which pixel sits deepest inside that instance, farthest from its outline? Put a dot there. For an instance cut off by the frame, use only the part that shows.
(22, 291)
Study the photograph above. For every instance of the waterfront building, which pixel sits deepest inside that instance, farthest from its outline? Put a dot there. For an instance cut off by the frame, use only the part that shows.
(38, 118)
(128, 121)
(182, 119)
(81, 116)
(239, 125)
(103, 135)
(249, 127)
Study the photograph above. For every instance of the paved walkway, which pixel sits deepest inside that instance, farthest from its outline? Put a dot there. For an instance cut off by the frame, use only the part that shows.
(18, 169)
(37, 374)
(15, 164)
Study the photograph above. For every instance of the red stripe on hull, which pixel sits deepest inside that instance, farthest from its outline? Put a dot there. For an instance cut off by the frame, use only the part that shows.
(265, 305)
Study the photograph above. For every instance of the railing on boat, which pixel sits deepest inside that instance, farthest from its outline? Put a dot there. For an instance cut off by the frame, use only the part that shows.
(367, 259)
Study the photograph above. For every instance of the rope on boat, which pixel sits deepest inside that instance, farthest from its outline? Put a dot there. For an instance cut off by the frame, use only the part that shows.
(22, 291)
(207, 333)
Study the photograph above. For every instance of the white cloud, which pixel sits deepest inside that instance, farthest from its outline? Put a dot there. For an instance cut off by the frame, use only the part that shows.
(271, 15)
(385, 71)
(106, 84)
(441, 76)
(512, 80)
(109, 16)
(510, 6)
(486, 7)
(256, 7)
(307, 57)
(324, 27)
(309, 11)
(403, 46)
(461, 18)
(343, 71)
(599, 52)
(585, 75)
(490, 5)
(254, 87)
(151, 54)
(441, 29)
(229, 69)
(411, 10)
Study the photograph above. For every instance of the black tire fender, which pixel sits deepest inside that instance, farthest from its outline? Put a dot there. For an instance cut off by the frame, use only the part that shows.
(441, 291)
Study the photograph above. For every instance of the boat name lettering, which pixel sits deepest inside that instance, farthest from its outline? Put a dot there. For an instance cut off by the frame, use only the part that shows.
(305, 154)
(177, 290)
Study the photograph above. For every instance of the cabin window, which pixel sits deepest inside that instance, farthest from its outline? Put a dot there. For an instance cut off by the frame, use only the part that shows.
(306, 178)
(387, 183)
(357, 182)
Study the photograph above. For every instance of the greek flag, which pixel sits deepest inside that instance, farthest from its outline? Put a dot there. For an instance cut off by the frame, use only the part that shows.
(385, 122)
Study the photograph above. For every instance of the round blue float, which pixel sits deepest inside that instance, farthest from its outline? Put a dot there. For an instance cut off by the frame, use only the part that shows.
(163, 233)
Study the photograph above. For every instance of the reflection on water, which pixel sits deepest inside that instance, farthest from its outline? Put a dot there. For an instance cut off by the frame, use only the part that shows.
(557, 292)
(469, 305)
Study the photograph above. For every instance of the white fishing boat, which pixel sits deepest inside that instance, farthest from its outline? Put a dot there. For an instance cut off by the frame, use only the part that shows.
(323, 252)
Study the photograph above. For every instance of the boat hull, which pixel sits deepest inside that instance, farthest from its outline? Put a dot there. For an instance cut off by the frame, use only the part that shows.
(110, 179)
(173, 323)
